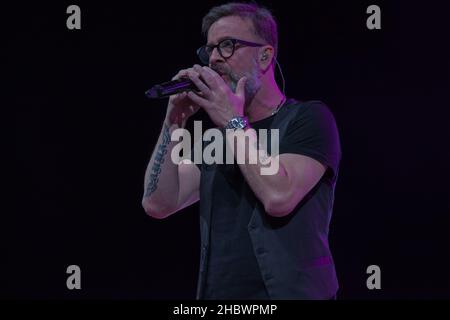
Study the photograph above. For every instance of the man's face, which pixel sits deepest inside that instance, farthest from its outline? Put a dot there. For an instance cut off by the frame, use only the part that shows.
(244, 61)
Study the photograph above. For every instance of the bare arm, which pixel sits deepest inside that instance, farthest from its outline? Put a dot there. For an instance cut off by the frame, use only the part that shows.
(169, 186)
(280, 192)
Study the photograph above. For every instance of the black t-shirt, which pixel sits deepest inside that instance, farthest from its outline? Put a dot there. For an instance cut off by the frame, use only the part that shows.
(232, 271)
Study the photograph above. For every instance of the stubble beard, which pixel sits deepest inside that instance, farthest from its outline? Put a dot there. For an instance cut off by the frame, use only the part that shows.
(252, 85)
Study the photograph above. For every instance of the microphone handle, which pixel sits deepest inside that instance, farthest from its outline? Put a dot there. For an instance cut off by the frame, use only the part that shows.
(169, 88)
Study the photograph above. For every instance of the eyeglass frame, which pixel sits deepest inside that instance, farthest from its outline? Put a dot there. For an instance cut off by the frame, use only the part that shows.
(233, 40)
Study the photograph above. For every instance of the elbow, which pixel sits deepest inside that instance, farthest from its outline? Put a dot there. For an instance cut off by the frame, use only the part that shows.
(278, 205)
(154, 210)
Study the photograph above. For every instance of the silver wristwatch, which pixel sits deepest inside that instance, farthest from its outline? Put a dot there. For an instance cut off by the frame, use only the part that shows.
(237, 123)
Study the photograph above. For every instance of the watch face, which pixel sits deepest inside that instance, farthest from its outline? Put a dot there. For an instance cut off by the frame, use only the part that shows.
(237, 123)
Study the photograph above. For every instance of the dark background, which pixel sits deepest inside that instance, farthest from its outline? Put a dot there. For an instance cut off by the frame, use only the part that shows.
(84, 132)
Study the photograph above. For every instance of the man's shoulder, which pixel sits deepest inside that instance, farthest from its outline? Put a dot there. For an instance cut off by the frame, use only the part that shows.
(309, 108)
(305, 104)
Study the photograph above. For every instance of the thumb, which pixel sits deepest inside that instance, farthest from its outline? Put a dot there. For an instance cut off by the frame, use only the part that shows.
(240, 88)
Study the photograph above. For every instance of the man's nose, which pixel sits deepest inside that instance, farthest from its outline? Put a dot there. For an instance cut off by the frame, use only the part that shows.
(215, 57)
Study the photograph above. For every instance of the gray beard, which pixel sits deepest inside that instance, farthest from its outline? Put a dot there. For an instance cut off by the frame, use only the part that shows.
(252, 85)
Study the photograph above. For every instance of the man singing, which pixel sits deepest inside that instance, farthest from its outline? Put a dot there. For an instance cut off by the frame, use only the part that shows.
(262, 236)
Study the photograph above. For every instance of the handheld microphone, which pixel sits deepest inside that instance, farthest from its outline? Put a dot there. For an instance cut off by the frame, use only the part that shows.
(169, 88)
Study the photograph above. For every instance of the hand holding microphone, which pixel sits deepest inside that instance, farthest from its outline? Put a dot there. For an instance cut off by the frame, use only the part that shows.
(213, 94)
(180, 106)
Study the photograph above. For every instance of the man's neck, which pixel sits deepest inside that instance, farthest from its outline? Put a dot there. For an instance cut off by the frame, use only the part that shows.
(265, 102)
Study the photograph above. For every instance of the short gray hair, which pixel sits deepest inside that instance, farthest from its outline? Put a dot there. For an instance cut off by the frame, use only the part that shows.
(264, 23)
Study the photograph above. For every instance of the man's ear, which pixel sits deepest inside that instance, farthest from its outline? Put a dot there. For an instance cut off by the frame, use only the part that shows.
(266, 55)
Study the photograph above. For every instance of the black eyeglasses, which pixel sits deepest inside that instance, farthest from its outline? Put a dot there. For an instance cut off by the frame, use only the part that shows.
(225, 47)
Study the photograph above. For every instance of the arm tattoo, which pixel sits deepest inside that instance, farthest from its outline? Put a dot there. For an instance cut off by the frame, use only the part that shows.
(159, 160)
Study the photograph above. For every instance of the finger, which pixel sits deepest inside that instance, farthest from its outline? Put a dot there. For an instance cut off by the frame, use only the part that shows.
(209, 78)
(240, 88)
(195, 78)
(193, 108)
(180, 74)
(198, 100)
(179, 96)
(216, 76)
(184, 95)
(212, 73)
(183, 73)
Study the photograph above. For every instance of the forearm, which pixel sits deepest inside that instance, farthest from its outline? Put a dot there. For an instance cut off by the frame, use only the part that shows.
(268, 189)
(161, 183)
(271, 189)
